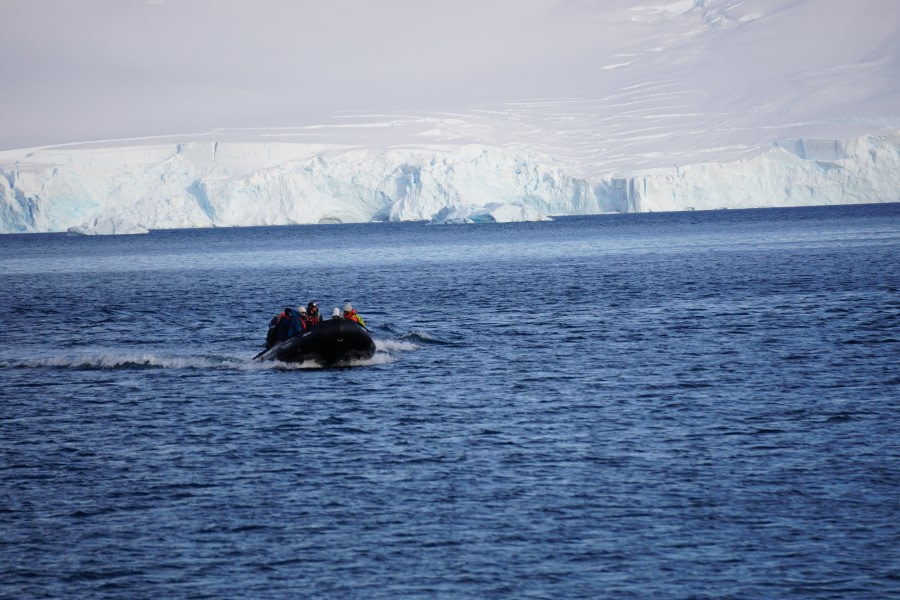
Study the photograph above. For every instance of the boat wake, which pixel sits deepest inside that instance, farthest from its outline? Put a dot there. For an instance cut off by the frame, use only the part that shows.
(386, 353)
(118, 360)
(415, 338)
(389, 346)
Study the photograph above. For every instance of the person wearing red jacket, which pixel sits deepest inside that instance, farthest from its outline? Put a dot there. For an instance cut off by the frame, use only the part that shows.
(312, 314)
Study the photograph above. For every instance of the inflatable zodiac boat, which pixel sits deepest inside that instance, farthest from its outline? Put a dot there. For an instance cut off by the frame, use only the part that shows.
(329, 342)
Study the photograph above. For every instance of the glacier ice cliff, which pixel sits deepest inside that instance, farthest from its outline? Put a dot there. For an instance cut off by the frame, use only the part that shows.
(210, 184)
(794, 173)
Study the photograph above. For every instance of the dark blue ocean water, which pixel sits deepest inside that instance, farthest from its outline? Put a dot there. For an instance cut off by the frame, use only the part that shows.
(690, 405)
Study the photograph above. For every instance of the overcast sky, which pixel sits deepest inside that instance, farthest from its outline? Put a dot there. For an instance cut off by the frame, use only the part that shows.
(79, 70)
(124, 67)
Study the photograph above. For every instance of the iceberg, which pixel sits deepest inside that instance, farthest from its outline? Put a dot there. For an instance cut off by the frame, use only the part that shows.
(107, 226)
(494, 212)
(212, 184)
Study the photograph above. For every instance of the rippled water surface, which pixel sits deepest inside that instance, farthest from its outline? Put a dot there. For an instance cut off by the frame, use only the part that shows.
(660, 405)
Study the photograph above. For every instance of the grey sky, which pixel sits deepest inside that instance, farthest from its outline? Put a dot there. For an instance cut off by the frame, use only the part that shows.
(77, 70)
(82, 68)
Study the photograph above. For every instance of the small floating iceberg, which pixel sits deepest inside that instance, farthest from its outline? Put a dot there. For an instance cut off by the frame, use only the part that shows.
(495, 212)
(107, 226)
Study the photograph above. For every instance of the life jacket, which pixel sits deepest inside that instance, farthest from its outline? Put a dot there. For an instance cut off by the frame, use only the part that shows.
(355, 317)
(312, 320)
(284, 326)
(298, 324)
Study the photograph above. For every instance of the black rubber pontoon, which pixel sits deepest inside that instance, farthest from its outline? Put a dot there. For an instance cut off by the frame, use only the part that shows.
(329, 342)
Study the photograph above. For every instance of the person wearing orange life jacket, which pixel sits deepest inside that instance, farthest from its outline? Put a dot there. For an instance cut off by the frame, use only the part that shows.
(351, 315)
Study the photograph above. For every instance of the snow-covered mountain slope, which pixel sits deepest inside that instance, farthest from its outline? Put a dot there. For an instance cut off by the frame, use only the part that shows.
(562, 107)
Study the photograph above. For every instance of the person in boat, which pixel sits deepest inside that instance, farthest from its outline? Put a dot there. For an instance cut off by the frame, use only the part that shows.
(351, 315)
(272, 333)
(284, 324)
(335, 314)
(298, 322)
(312, 314)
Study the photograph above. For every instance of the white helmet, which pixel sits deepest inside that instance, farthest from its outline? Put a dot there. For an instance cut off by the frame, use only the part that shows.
(348, 307)
(301, 310)
(336, 312)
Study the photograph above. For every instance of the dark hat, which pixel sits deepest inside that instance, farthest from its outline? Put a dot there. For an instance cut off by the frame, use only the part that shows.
(288, 311)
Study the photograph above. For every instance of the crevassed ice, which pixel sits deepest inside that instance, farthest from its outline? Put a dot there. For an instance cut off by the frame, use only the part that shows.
(206, 184)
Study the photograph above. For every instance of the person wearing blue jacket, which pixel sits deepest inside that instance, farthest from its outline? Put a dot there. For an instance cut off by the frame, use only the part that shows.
(298, 322)
(284, 324)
